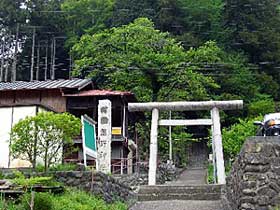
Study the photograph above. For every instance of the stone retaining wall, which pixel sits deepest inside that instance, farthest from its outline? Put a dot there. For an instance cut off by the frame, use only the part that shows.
(165, 172)
(254, 181)
(97, 183)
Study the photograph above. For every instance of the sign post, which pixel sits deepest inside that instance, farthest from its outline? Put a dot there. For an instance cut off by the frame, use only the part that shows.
(103, 162)
(89, 138)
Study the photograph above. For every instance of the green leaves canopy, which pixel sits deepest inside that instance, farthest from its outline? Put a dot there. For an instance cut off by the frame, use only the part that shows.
(43, 136)
(139, 58)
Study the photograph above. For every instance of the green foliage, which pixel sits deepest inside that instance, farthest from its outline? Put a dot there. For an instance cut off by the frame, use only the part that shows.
(42, 201)
(9, 205)
(210, 174)
(180, 140)
(261, 107)
(235, 136)
(77, 200)
(63, 167)
(139, 58)
(85, 16)
(43, 136)
(253, 26)
(202, 19)
(28, 183)
(33, 181)
(71, 199)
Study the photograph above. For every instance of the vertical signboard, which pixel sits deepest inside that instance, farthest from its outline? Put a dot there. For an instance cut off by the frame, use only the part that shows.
(104, 137)
(89, 138)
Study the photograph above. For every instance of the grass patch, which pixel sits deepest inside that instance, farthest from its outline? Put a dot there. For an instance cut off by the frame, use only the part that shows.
(72, 199)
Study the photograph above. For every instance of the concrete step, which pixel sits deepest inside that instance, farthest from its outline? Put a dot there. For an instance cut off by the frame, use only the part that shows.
(178, 205)
(166, 192)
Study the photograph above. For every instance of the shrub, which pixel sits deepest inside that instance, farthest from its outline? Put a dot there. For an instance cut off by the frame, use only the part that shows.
(42, 201)
(235, 136)
(261, 107)
(72, 199)
(76, 200)
(64, 167)
(43, 136)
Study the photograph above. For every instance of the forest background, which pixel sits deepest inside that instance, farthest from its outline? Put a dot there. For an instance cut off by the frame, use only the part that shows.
(162, 50)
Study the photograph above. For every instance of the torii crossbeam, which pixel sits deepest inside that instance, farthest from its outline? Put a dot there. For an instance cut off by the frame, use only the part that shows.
(213, 106)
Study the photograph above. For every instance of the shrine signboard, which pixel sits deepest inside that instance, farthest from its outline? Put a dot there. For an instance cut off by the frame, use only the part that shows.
(103, 162)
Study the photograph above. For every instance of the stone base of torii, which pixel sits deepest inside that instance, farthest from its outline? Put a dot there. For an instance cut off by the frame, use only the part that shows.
(214, 122)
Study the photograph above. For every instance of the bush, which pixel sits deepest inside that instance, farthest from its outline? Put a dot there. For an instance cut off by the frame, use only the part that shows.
(9, 205)
(64, 167)
(261, 107)
(42, 201)
(235, 136)
(76, 200)
(24, 182)
(72, 199)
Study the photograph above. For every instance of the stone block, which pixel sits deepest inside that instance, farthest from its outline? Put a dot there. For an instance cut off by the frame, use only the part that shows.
(263, 200)
(249, 192)
(274, 186)
(247, 206)
(256, 168)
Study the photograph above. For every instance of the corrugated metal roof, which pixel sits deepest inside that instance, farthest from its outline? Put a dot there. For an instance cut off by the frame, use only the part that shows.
(48, 84)
(100, 93)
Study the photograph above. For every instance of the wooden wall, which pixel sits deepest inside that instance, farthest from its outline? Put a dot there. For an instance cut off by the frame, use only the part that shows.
(51, 99)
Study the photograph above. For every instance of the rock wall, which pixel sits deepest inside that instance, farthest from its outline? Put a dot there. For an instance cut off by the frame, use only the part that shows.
(97, 183)
(165, 172)
(254, 181)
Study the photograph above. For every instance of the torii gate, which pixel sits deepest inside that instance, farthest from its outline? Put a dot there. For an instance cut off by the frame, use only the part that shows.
(213, 106)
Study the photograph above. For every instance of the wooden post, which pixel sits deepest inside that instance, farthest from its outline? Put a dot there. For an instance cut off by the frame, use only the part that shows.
(153, 147)
(217, 141)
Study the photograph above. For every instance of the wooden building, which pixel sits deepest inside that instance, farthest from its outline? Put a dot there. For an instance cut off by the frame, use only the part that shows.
(78, 97)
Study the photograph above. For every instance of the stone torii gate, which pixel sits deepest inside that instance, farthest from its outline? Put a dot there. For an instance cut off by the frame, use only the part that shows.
(214, 122)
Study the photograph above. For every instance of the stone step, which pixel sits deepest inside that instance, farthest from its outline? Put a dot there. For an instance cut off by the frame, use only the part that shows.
(178, 205)
(165, 192)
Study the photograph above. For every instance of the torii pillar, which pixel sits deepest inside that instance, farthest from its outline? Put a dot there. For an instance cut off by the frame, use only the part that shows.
(214, 106)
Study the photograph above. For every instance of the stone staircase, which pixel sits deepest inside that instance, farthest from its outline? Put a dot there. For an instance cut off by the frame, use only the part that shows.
(170, 192)
(188, 192)
(180, 197)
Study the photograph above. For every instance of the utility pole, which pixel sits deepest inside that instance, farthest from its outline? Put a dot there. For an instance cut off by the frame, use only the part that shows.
(38, 61)
(6, 71)
(14, 69)
(70, 65)
(2, 62)
(32, 55)
(51, 64)
(53, 58)
(46, 61)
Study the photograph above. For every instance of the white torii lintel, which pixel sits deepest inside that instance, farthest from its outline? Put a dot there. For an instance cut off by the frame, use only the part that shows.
(185, 122)
(214, 106)
(186, 105)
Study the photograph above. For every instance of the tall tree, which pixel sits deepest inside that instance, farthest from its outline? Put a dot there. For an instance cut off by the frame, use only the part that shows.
(85, 16)
(253, 27)
(140, 58)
